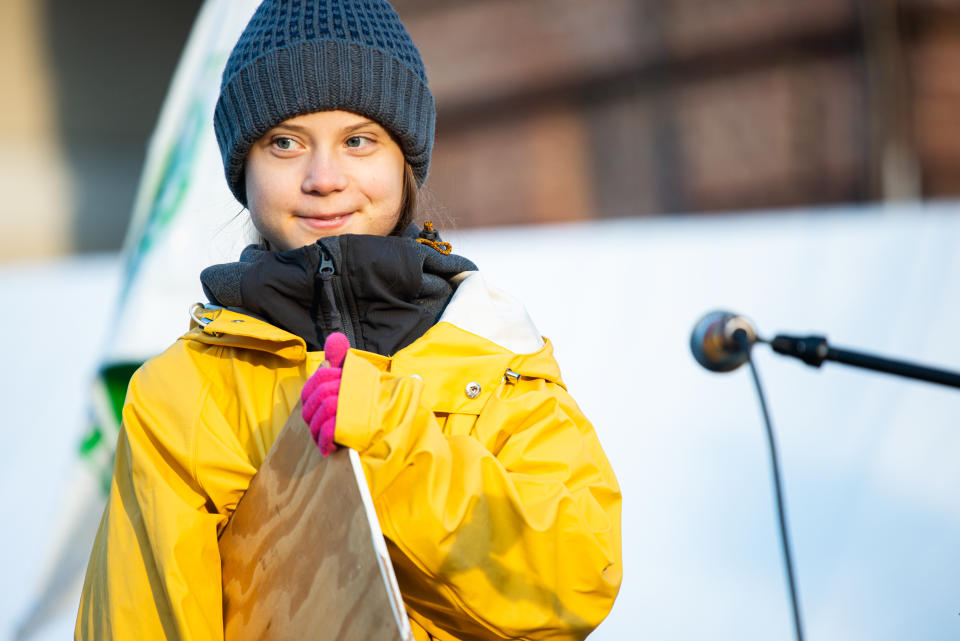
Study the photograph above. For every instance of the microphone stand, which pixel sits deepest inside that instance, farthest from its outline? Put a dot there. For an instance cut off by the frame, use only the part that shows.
(722, 341)
(814, 350)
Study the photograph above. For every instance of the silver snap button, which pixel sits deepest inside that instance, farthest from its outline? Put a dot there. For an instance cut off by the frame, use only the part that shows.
(238, 320)
(472, 390)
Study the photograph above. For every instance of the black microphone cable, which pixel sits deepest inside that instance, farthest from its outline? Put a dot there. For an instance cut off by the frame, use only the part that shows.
(740, 336)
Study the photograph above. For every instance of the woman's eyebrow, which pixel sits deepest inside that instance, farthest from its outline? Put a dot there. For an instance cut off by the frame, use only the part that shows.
(360, 125)
(291, 127)
(303, 130)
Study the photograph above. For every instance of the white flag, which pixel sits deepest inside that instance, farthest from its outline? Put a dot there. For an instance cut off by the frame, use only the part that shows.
(184, 218)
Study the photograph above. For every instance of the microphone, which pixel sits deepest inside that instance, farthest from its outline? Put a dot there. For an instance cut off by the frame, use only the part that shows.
(714, 345)
(721, 341)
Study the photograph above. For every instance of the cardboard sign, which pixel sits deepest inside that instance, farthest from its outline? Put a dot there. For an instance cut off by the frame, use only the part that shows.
(303, 556)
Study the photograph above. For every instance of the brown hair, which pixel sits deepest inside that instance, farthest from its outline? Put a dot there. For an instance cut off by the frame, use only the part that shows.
(408, 201)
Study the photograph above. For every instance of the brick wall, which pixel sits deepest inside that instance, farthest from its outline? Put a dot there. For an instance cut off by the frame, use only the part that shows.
(554, 110)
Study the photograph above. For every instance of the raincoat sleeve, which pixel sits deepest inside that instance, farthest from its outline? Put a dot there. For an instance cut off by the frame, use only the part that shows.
(154, 572)
(507, 529)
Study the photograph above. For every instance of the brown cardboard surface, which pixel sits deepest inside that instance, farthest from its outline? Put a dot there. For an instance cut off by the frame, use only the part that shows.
(303, 556)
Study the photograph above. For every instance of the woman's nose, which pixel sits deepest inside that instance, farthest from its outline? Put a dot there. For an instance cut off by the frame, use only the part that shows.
(324, 175)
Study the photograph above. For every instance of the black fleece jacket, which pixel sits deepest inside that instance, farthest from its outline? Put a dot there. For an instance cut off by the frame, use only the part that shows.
(383, 292)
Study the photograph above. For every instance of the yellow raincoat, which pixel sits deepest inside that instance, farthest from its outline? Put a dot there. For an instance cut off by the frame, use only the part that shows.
(501, 512)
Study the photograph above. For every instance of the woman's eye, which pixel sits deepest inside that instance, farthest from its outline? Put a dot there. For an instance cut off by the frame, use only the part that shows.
(355, 142)
(284, 144)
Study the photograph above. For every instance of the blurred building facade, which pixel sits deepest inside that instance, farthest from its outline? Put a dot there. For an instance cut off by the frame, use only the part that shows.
(548, 110)
(558, 109)
(83, 83)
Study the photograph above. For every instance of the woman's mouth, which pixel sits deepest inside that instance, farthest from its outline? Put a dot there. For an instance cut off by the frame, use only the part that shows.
(325, 221)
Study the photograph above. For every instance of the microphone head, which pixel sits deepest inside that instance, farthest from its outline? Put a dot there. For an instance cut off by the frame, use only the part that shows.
(713, 344)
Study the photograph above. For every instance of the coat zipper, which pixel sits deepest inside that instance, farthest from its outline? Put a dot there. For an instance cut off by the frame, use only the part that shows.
(334, 293)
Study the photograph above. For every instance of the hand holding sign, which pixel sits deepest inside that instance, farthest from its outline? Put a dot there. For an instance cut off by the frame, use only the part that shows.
(320, 393)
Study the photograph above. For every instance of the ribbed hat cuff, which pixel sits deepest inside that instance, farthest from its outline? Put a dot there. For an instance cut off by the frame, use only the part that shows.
(320, 75)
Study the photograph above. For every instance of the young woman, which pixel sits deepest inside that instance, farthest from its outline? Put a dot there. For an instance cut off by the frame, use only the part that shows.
(501, 512)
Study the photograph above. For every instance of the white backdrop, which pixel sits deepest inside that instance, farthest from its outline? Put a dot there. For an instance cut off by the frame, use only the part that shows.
(870, 462)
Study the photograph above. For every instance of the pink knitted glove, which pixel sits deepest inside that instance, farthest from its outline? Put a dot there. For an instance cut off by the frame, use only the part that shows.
(319, 394)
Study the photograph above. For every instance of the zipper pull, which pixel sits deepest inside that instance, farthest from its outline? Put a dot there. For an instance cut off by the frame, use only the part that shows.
(326, 269)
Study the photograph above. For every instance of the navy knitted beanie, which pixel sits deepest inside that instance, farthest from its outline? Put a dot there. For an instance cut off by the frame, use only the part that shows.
(300, 56)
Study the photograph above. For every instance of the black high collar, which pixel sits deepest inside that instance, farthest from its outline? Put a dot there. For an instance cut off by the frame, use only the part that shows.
(383, 292)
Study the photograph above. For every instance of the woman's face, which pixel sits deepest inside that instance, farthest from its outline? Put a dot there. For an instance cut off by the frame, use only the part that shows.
(324, 174)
